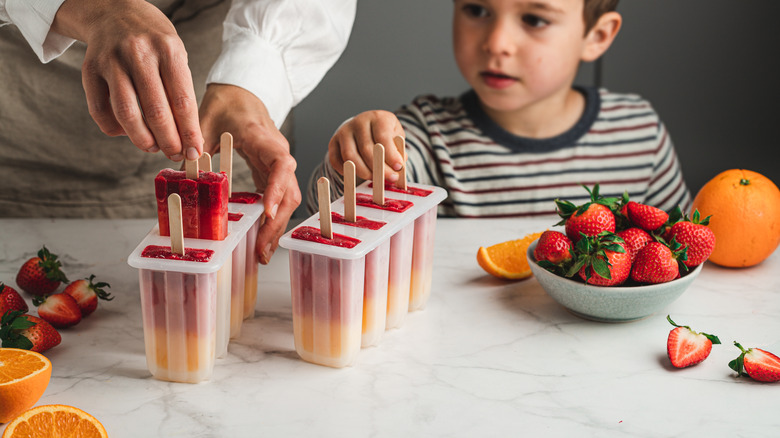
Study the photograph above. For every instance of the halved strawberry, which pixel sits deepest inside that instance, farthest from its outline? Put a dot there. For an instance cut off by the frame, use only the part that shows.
(41, 275)
(86, 293)
(60, 310)
(11, 300)
(759, 364)
(686, 347)
(18, 330)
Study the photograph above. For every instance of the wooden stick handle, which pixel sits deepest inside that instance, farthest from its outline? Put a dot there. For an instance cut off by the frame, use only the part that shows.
(400, 144)
(379, 174)
(226, 158)
(349, 192)
(191, 167)
(323, 196)
(174, 223)
(204, 162)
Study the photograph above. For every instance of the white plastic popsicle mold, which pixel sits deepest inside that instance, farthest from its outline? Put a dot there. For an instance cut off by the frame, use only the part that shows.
(162, 300)
(398, 225)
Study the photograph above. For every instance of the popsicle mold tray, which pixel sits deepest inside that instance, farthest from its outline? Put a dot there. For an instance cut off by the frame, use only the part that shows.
(347, 291)
(188, 307)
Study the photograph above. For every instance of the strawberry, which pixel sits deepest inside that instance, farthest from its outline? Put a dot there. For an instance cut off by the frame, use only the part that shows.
(696, 236)
(18, 330)
(87, 293)
(635, 239)
(656, 263)
(685, 347)
(646, 217)
(554, 247)
(11, 300)
(602, 260)
(60, 310)
(759, 364)
(41, 275)
(588, 219)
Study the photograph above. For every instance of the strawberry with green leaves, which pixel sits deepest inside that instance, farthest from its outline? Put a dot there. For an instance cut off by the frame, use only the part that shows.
(60, 310)
(646, 217)
(553, 251)
(657, 262)
(696, 236)
(635, 239)
(590, 218)
(756, 363)
(602, 260)
(686, 347)
(41, 275)
(87, 292)
(19, 330)
(11, 300)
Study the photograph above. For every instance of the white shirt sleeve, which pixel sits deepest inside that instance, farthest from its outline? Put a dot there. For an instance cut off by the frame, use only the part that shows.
(33, 18)
(281, 49)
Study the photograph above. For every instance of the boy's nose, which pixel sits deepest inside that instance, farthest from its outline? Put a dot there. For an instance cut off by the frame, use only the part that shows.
(500, 39)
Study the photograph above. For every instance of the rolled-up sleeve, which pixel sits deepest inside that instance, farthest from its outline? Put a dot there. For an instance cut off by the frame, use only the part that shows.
(33, 18)
(281, 49)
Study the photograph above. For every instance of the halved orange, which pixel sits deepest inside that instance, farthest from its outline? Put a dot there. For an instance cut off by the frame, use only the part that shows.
(507, 259)
(24, 376)
(55, 421)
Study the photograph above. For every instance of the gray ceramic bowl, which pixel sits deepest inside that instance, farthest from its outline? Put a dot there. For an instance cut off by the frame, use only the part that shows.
(609, 304)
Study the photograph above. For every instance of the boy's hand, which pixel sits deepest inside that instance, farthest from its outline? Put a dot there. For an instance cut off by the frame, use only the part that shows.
(355, 140)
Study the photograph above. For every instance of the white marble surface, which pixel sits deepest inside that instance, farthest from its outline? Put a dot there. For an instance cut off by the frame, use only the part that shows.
(485, 358)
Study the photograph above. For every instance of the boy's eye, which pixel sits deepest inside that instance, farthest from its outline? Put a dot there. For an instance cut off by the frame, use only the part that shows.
(474, 10)
(534, 20)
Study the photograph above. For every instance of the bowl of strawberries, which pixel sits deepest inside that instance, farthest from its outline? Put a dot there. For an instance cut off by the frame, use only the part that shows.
(618, 260)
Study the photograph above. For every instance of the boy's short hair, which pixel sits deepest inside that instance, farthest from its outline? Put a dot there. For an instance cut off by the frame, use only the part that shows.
(594, 9)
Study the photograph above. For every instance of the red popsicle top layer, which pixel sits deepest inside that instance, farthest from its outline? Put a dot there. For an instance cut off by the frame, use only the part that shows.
(203, 203)
(391, 187)
(245, 197)
(313, 234)
(360, 222)
(190, 254)
(396, 205)
(233, 217)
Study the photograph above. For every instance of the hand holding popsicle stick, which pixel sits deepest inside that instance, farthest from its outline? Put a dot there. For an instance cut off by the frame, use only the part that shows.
(379, 174)
(174, 221)
(349, 192)
(323, 196)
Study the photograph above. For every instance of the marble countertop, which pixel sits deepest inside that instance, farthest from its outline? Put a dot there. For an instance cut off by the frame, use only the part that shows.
(485, 358)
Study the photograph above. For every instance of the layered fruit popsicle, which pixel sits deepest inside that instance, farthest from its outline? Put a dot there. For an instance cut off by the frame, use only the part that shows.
(400, 264)
(179, 317)
(375, 285)
(204, 203)
(327, 301)
(252, 261)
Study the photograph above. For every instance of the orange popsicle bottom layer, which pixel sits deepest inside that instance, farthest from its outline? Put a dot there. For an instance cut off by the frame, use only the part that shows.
(326, 343)
(179, 356)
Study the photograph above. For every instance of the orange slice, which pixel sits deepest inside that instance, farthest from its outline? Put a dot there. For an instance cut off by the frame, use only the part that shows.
(55, 421)
(507, 259)
(24, 376)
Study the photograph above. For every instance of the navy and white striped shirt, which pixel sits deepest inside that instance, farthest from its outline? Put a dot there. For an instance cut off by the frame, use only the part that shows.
(619, 142)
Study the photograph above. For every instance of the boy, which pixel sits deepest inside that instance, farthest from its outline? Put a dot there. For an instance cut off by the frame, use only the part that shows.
(523, 136)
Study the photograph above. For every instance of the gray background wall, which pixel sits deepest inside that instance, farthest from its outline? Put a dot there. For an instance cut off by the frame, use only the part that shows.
(708, 67)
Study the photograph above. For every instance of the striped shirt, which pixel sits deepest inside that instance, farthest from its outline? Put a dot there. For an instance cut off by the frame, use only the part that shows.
(619, 142)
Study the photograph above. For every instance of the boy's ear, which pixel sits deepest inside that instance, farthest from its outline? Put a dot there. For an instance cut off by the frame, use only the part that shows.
(600, 37)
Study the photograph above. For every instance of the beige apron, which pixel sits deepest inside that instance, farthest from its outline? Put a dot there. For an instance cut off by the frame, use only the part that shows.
(54, 160)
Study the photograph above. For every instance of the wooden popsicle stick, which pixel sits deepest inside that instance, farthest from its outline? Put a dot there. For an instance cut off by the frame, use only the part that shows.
(323, 196)
(226, 158)
(174, 222)
(379, 174)
(349, 192)
(400, 144)
(204, 162)
(191, 167)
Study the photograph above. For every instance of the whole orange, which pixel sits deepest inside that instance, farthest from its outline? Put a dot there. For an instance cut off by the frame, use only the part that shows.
(745, 210)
